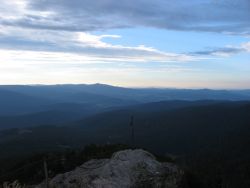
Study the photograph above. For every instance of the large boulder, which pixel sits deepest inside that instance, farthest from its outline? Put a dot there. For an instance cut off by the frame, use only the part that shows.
(126, 169)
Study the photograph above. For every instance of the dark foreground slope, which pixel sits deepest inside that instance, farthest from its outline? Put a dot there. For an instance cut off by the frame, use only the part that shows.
(178, 127)
(210, 138)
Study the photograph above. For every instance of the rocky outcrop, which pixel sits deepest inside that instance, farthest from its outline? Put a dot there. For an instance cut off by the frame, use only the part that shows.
(126, 169)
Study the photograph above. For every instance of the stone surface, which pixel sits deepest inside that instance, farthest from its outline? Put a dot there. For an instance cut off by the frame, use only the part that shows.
(125, 169)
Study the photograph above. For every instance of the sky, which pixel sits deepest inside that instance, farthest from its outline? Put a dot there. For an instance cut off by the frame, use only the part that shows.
(131, 43)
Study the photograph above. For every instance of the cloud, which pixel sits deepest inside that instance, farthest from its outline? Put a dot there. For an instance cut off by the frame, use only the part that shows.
(60, 30)
(225, 51)
(81, 44)
(227, 16)
(246, 46)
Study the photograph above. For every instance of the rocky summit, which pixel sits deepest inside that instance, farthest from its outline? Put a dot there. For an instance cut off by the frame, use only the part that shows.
(125, 169)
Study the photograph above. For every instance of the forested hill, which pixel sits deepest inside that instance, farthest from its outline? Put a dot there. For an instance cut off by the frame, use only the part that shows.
(208, 137)
(173, 126)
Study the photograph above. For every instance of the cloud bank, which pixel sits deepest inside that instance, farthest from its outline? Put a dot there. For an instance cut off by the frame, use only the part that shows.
(87, 45)
(228, 16)
(65, 26)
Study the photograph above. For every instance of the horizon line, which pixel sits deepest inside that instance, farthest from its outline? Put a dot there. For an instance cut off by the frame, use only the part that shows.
(127, 87)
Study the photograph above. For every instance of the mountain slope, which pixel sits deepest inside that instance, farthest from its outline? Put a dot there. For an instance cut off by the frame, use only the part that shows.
(209, 137)
(192, 127)
(13, 103)
(58, 113)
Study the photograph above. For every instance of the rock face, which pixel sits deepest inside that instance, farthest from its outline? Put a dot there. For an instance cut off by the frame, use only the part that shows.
(125, 169)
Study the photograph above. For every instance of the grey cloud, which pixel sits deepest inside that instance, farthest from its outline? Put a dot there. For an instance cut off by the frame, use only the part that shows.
(221, 51)
(88, 15)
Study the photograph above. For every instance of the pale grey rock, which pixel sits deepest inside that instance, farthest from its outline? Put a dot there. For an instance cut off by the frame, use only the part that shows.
(126, 169)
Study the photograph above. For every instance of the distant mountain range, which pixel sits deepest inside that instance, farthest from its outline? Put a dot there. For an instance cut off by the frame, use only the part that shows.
(83, 93)
(32, 105)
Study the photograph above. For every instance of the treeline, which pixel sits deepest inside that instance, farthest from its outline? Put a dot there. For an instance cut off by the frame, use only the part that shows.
(31, 170)
(202, 171)
(218, 173)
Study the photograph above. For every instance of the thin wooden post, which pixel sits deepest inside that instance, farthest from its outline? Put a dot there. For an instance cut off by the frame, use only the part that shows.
(46, 173)
(132, 131)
